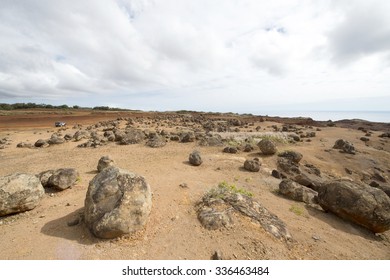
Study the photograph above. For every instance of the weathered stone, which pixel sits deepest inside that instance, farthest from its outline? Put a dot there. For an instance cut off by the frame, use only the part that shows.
(41, 143)
(45, 176)
(297, 192)
(212, 219)
(187, 137)
(292, 155)
(267, 147)
(133, 136)
(19, 192)
(105, 162)
(288, 166)
(252, 165)
(344, 146)
(117, 202)
(81, 134)
(56, 140)
(361, 204)
(195, 158)
(24, 145)
(215, 207)
(63, 178)
(309, 180)
(156, 141)
(211, 141)
(230, 150)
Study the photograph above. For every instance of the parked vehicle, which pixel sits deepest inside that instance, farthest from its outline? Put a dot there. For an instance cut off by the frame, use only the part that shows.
(60, 124)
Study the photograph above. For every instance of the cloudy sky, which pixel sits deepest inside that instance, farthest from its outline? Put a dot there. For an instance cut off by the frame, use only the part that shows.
(207, 55)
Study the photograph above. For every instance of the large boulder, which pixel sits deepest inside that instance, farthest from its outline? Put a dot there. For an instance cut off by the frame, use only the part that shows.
(361, 204)
(297, 192)
(19, 192)
(267, 147)
(63, 178)
(118, 202)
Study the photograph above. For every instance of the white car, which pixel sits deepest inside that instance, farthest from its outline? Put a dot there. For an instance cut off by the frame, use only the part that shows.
(60, 124)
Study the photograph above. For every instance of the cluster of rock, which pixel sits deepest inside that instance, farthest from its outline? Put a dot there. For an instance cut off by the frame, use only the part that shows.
(117, 201)
(4, 142)
(355, 202)
(21, 192)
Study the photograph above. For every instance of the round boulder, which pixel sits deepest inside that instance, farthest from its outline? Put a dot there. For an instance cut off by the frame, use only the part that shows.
(252, 165)
(105, 162)
(267, 147)
(117, 202)
(195, 158)
(291, 155)
(19, 192)
(63, 178)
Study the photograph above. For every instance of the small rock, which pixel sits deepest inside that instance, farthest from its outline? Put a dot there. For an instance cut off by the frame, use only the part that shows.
(230, 150)
(316, 238)
(195, 158)
(276, 174)
(217, 255)
(73, 222)
(105, 162)
(252, 165)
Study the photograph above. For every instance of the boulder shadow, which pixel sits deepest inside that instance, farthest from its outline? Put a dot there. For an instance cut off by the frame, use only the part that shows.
(343, 225)
(92, 172)
(60, 228)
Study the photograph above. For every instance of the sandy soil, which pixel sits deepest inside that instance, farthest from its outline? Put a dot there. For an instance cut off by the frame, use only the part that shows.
(173, 230)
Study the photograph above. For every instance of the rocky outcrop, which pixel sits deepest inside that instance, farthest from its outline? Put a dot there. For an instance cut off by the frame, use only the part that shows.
(358, 203)
(215, 208)
(19, 192)
(117, 202)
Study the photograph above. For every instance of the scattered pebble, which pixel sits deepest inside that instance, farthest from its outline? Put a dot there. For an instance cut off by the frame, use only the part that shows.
(217, 255)
(316, 238)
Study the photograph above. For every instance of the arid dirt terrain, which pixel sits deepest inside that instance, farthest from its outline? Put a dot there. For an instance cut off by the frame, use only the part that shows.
(173, 230)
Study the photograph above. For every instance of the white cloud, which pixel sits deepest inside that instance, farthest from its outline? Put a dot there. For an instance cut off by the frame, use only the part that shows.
(226, 55)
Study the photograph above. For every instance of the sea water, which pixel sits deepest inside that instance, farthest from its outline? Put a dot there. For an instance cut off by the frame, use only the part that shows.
(372, 116)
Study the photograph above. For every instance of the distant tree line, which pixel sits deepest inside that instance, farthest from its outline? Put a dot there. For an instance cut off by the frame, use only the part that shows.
(18, 106)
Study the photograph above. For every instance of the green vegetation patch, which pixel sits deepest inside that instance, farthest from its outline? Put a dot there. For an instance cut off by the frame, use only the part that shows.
(225, 189)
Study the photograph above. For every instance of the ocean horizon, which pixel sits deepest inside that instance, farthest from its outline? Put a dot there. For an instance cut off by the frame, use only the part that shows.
(372, 116)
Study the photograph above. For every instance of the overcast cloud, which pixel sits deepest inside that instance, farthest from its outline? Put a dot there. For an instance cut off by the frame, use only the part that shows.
(209, 55)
